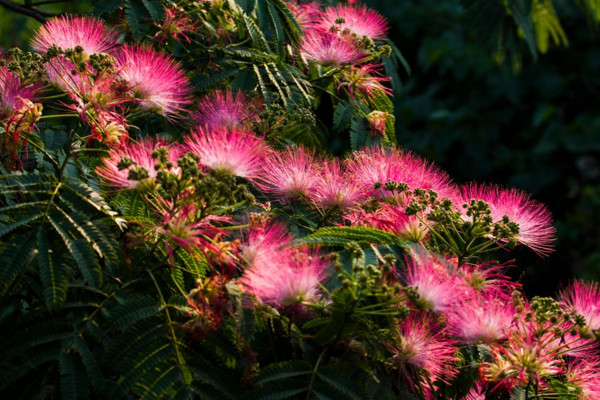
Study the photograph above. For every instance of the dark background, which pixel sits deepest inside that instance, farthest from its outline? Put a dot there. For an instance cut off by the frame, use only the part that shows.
(532, 124)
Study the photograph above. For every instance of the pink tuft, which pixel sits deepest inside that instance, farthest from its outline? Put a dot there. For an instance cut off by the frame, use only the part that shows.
(438, 288)
(481, 318)
(290, 278)
(424, 353)
(357, 20)
(68, 32)
(534, 219)
(236, 151)
(332, 188)
(328, 49)
(585, 374)
(583, 298)
(225, 109)
(141, 155)
(157, 81)
(288, 174)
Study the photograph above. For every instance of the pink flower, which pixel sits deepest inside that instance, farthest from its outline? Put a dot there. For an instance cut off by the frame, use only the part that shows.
(534, 219)
(330, 50)
(290, 278)
(225, 109)
(68, 32)
(480, 318)
(307, 15)
(356, 20)
(288, 174)
(176, 25)
(264, 242)
(373, 165)
(437, 289)
(110, 128)
(140, 155)
(585, 374)
(365, 82)
(583, 298)
(476, 393)
(14, 91)
(157, 81)
(332, 188)
(423, 353)
(236, 151)
(488, 278)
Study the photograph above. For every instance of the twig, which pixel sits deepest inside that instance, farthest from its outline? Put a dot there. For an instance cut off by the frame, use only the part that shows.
(25, 10)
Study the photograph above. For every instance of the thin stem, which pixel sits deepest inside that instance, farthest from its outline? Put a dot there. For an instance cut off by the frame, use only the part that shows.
(314, 373)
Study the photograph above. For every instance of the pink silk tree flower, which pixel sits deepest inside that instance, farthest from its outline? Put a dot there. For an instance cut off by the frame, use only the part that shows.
(423, 353)
(224, 109)
(328, 49)
(264, 242)
(534, 218)
(585, 374)
(355, 20)
(480, 318)
(140, 155)
(365, 82)
(68, 32)
(307, 15)
(287, 280)
(176, 25)
(238, 152)
(488, 278)
(583, 298)
(372, 165)
(157, 81)
(436, 288)
(332, 189)
(288, 174)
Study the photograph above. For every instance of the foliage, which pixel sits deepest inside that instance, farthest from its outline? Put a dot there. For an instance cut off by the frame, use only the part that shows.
(207, 207)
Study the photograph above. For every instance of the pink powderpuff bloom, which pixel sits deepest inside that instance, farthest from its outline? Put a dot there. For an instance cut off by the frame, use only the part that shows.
(224, 109)
(332, 189)
(583, 298)
(14, 92)
(488, 279)
(236, 151)
(176, 25)
(585, 374)
(264, 242)
(329, 50)
(480, 318)
(157, 81)
(287, 280)
(140, 154)
(355, 20)
(373, 165)
(534, 219)
(438, 288)
(423, 353)
(68, 32)
(288, 174)
(365, 82)
(307, 15)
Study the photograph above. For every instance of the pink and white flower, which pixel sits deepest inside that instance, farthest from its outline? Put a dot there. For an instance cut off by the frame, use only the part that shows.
(534, 218)
(328, 49)
(288, 174)
(236, 151)
(140, 155)
(157, 81)
(68, 32)
(356, 20)
(583, 298)
(225, 109)
(287, 280)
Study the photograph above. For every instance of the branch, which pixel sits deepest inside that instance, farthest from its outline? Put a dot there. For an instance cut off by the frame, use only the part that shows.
(25, 10)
